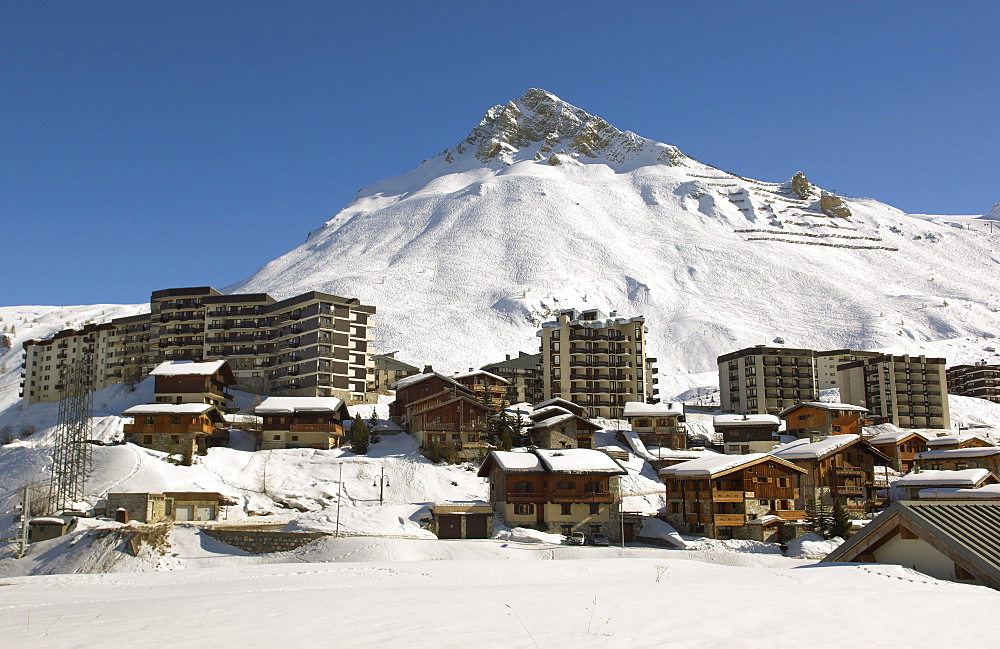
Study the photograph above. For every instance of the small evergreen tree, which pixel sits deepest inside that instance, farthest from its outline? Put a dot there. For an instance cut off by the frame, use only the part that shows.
(505, 441)
(359, 436)
(840, 523)
(819, 518)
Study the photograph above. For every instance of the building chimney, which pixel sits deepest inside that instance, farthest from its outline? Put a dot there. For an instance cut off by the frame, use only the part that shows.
(508, 356)
(428, 369)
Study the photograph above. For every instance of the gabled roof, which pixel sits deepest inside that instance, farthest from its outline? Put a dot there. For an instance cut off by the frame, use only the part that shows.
(715, 465)
(413, 410)
(959, 453)
(548, 411)
(889, 434)
(745, 420)
(957, 438)
(823, 405)
(187, 368)
(564, 417)
(299, 404)
(803, 449)
(170, 409)
(407, 381)
(986, 492)
(570, 460)
(963, 478)
(968, 532)
(512, 462)
(562, 403)
(469, 375)
(641, 409)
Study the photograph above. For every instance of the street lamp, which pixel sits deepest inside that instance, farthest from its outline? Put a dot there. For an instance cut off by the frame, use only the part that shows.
(381, 482)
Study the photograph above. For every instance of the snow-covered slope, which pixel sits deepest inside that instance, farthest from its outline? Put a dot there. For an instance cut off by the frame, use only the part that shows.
(545, 207)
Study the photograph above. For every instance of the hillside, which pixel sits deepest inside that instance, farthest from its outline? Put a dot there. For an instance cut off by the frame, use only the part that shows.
(545, 207)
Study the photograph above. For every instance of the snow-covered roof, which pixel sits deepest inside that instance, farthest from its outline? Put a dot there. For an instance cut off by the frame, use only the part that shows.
(745, 420)
(765, 519)
(407, 381)
(548, 411)
(640, 409)
(187, 368)
(958, 438)
(824, 405)
(560, 418)
(578, 460)
(169, 409)
(959, 453)
(803, 449)
(481, 373)
(889, 434)
(715, 464)
(516, 462)
(962, 478)
(299, 404)
(563, 403)
(986, 492)
(48, 520)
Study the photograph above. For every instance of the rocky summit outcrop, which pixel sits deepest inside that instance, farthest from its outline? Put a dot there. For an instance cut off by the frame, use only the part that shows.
(541, 127)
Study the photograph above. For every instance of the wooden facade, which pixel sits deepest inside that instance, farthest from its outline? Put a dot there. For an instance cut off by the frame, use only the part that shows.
(901, 452)
(173, 386)
(751, 501)
(845, 473)
(821, 420)
(445, 416)
(180, 433)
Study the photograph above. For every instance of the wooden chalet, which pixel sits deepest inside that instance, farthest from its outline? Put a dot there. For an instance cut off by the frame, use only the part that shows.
(657, 424)
(557, 491)
(940, 441)
(193, 382)
(957, 459)
(555, 426)
(951, 540)
(841, 467)
(488, 388)
(302, 422)
(443, 414)
(742, 434)
(815, 419)
(755, 496)
(184, 428)
(899, 445)
(922, 484)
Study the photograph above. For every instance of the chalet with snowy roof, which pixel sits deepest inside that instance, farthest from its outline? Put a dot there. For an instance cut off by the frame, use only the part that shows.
(657, 424)
(181, 428)
(755, 496)
(943, 441)
(915, 483)
(302, 422)
(838, 467)
(524, 374)
(488, 388)
(193, 382)
(899, 445)
(957, 459)
(816, 419)
(556, 491)
(444, 415)
(565, 404)
(742, 434)
(951, 540)
(559, 424)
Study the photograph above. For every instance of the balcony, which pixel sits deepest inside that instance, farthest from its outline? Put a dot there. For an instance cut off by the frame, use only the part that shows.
(729, 519)
(333, 429)
(847, 471)
(580, 497)
(525, 497)
(729, 496)
(847, 490)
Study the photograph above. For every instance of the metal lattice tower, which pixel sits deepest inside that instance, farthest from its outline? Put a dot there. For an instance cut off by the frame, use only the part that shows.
(72, 453)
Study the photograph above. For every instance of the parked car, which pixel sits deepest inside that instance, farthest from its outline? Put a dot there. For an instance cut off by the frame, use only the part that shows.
(577, 538)
(599, 539)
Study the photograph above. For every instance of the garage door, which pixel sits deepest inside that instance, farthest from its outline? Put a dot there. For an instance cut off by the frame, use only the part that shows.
(476, 526)
(449, 527)
(184, 513)
(205, 513)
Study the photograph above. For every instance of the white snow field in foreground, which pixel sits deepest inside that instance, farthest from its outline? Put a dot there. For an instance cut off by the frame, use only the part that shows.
(634, 602)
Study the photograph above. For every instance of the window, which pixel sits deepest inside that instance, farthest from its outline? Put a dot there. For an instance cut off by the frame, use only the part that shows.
(641, 423)
(566, 509)
(147, 439)
(295, 438)
(564, 484)
(592, 487)
(782, 482)
(277, 438)
(675, 508)
(595, 508)
(762, 479)
(457, 437)
(566, 529)
(175, 439)
(522, 487)
(175, 419)
(471, 438)
(149, 420)
(524, 509)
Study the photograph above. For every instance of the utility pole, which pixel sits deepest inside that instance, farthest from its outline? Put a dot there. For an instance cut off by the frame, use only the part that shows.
(340, 490)
(22, 538)
(381, 482)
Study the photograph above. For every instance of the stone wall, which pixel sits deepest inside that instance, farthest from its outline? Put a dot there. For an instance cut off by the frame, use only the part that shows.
(262, 541)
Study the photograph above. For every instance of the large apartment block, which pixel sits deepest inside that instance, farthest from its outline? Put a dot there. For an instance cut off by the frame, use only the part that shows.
(314, 344)
(596, 361)
(525, 376)
(978, 380)
(765, 380)
(910, 392)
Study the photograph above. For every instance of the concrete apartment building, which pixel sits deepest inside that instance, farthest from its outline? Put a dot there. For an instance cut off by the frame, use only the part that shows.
(314, 344)
(827, 363)
(979, 380)
(525, 376)
(766, 380)
(909, 392)
(597, 361)
(389, 369)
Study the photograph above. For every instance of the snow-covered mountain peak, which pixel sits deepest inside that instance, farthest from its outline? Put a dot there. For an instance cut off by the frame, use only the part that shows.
(540, 127)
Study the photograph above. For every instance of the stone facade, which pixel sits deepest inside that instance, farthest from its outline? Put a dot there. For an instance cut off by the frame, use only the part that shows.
(263, 541)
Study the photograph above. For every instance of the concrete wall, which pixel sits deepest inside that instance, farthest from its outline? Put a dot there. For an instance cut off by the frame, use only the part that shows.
(263, 541)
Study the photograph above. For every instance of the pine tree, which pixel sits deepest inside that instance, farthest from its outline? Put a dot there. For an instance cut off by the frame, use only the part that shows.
(505, 442)
(373, 436)
(359, 436)
(820, 520)
(840, 523)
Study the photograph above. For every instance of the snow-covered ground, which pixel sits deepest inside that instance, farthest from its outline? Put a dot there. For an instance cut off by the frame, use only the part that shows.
(396, 593)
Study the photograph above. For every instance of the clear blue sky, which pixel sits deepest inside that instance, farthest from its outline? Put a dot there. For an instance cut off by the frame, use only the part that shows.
(154, 144)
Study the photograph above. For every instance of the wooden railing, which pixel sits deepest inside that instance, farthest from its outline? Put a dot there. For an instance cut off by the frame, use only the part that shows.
(729, 519)
(581, 497)
(727, 496)
(333, 429)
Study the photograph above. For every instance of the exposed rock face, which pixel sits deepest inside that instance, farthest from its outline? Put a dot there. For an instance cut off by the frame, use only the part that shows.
(546, 125)
(831, 205)
(800, 186)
